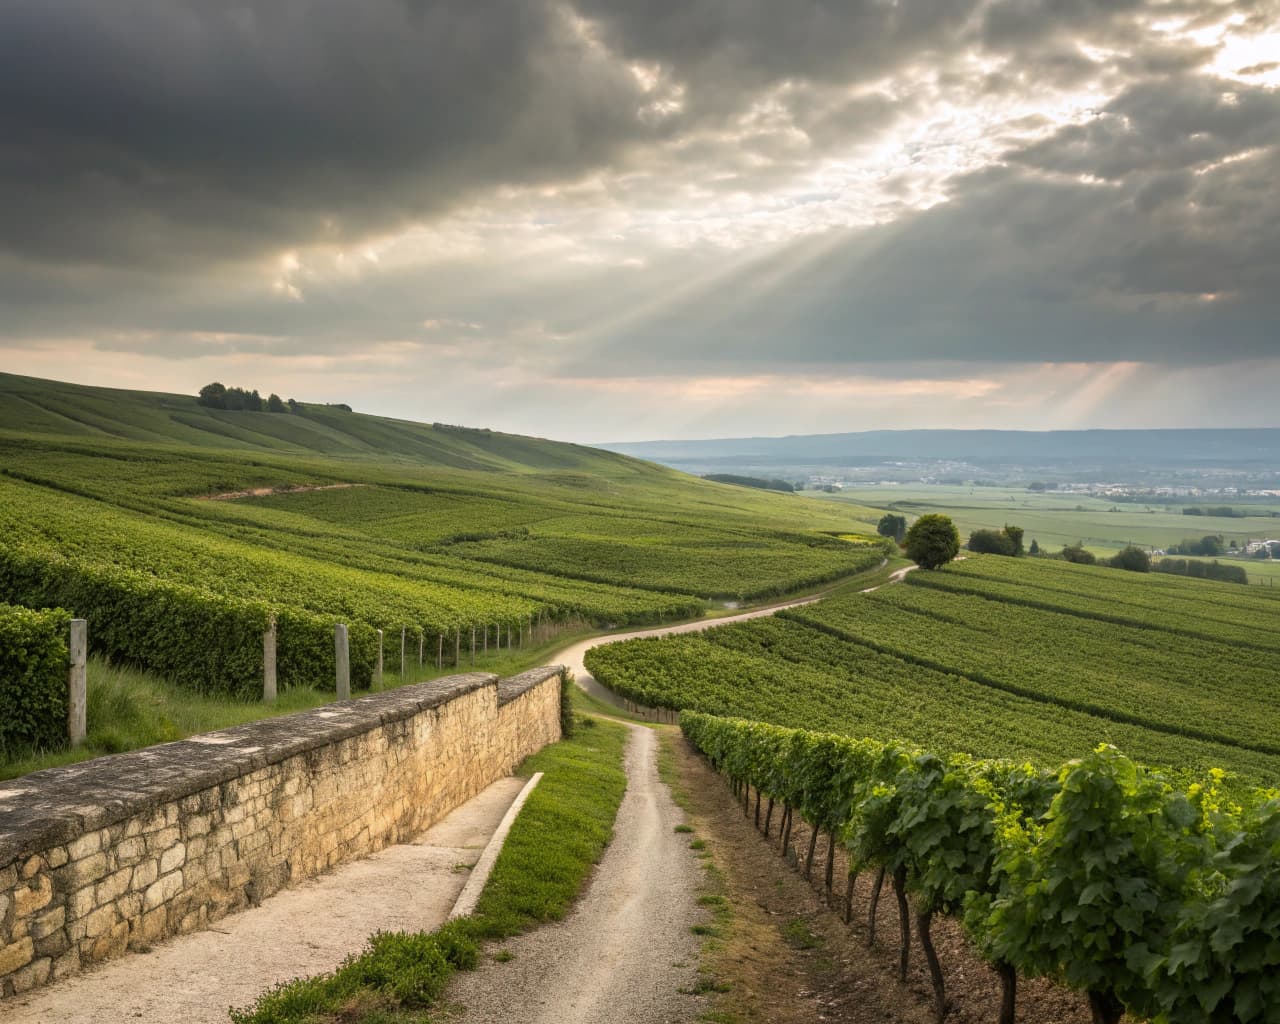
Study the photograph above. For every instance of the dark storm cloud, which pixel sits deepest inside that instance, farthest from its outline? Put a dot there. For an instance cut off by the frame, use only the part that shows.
(155, 153)
(179, 130)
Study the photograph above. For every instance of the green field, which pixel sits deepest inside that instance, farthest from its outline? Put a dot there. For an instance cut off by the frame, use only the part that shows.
(325, 516)
(1054, 520)
(999, 657)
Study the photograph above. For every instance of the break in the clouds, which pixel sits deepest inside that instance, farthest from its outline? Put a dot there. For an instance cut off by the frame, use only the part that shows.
(612, 219)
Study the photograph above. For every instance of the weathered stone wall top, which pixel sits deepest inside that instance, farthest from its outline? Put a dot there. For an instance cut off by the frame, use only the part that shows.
(513, 686)
(54, 806)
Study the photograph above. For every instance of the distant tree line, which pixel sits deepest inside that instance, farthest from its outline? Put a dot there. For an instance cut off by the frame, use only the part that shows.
(1040, 486)
(1222, 511)
(1203, 570)
(892, 526)
(997, 542)
(218, 396)
(750, 481)
(1209, 546)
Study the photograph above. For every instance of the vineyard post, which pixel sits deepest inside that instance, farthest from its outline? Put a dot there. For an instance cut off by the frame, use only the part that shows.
(486, 637)
(377, 674)
(77, 681)
(439, 652)
(342, 661)
(403, 666)
(269, 662)
(473, 645)
(422, 646)
(457, 645)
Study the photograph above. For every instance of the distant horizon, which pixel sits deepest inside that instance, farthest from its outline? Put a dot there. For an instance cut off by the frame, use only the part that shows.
(613, 443)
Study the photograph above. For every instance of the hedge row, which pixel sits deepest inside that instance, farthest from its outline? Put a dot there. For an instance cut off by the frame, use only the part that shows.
(33, 678)
(1159, 902)
(205, 641)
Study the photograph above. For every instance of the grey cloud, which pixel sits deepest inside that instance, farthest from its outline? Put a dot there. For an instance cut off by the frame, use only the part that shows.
(175, 130)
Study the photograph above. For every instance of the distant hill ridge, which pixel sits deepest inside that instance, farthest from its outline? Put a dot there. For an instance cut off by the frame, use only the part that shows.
(1241, 447)
(32, 406)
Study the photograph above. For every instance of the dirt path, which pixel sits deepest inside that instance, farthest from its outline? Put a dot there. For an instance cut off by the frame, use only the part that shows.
(300, 931)
(626, 949)
(572, 656)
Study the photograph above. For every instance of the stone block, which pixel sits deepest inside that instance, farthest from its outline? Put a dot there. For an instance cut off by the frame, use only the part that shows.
(88, 844)
(16, 955)
(162, 890)
(196, 825)
(159, 841)
(57, 856)
(65, 965)
(113, 886)
(35, 973)
(173, 858)
(53, 945)
(49, 922)
(32, 867)
(28, 899)
(80, 873)
(144, 874)
(111, 943)
(99, 922)
(80, 903)
(130, 851)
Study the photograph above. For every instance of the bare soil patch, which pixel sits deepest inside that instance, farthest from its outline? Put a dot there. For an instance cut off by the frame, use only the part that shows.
(262, 492)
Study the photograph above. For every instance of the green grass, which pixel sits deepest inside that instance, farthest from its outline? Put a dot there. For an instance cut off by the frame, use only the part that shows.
(559, 834)
(128, 709)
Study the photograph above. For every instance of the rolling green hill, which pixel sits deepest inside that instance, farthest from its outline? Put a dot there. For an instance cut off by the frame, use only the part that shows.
(156, 517)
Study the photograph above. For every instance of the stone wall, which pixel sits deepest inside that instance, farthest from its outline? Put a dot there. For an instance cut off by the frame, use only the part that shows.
(119, 852)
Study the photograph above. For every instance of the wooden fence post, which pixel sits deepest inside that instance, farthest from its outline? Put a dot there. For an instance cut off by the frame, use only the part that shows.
(77, 682)
(440, 653)
(377, 673)
(269, 662)
(473, 645)
(342, 660)
(422, 646)
(403, 666)
(457, 645)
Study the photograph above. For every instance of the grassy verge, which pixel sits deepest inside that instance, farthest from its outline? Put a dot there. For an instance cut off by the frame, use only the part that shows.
(559, 834)
(129, 709)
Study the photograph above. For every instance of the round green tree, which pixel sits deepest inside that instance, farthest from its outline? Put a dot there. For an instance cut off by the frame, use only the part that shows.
(932, 541)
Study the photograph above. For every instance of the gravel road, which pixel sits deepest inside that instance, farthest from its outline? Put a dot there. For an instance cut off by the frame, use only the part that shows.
(626, 949)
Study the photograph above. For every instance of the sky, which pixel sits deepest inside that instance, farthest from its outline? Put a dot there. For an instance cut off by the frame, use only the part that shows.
(611, 220)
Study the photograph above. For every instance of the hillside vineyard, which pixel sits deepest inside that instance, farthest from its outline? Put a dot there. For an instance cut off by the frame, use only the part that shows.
(998, 657)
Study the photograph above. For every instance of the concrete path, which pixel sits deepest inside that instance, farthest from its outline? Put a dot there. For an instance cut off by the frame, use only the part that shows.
(626, 949)
(297, 932)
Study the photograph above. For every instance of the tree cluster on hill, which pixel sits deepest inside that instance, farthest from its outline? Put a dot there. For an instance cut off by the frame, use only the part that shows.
(1222, 511)
(893, 526)
(1209, 546)
(218, 396)
(1006, 542)
(1040, 486)
(750, 481)
(1076, 553)
(932, 541)
(1202, 570)
(1134, 559)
